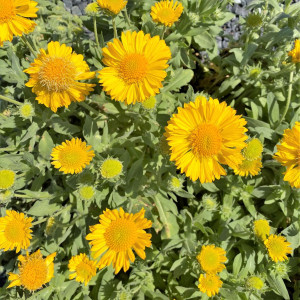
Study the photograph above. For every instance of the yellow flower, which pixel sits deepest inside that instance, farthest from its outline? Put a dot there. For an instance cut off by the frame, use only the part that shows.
(289, 155)
(14, 18)
(26, 110)
(92, 9)
(7, 179)
(111, 168)
(83, 268)
(253, 150)
(112, 6)
(86, 192)
(255, 282)
(149, 103)
(203, 135)
(277, 247)
(166, 12)
(261, 229)
(247, 167)
(15, 231)
(212, 258)
(72, 156)
(54, 76)
(175, 183)
(135, 67)
(35, 271)
(295, 53)
(116, 235)
(209, 284)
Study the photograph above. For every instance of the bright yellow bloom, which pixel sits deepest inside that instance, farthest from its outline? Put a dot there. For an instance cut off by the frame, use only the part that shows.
(35, 271)
(83, 268)
(135, 67)
(209, 284)
(92, 9)
(55, 75)
(289, 155)
(14, 18)
(247, 167)
(116, 235)
(112, 6)
(255, 282)
(111, 168)
(261, 228)
(149, 103)
(212, 258)
(295, 53)
(15, 231)
(203, 135)
(72, 156)
(166, 12)
(253, 150)
(7, 179)
(277, 247)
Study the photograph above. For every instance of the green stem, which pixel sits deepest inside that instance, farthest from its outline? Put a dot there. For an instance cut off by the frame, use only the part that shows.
(10, 100)
(163, 32)
(26, 42)
(289, 96)
(22, 196)
(115, 27)
(88, 107)
(162, 216)
(127, 18)
(96, 32)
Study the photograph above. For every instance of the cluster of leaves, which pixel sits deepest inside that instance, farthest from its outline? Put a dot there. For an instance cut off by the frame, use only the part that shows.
(246, 76)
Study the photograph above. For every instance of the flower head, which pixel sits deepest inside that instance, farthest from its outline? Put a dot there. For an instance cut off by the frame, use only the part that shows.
(247, 167)
(261, 229)
(254, 20)
(5, 196)
(295, 53)
(149, 103)
(175, 183)
(212, 258)
(55, 75)
(111, 168)
(83, 268)
(92, 9)
(203, 135)
(255, 283)
(289, 154)
(209, 284)
(72, 156)
(278, 247)
(15, 18)
(35, 271)
(112, 6)
(210, 201)
(166, 12)
(135, 67)
(26, 110)
(116, 235)
(86, 192)
(253, 150)
(15, 231)
(7, 179)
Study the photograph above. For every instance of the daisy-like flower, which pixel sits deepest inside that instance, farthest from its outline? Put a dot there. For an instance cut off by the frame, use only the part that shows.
(92, 9)
(135, 67)
(14, 18)
(255, 283)
(212, 258)
(83, 268)
(116, 235)
(295, 53)
(55, 75)
(72, 156)
(35, 271)
(7, 179)
(209, 284)
(111, 168)
(203, 135)
(112, 6)
(253, 150)
(247, 167)
(278, 247)
(289, 155)
(261, 228)
(166, 12)
(15, 231)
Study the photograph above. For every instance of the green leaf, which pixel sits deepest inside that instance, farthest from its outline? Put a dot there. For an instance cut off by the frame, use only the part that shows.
(91, 133)
(63, 127)
(237, 263)
(43, 208)
(180, 78)
(46, 145)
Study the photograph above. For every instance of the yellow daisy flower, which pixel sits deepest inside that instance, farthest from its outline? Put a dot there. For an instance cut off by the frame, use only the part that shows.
(247, 167)
(35, 271)
(135, 67)
(116, 235)
(203, 135)
(253, 150)
(7, 179)
(15, 231)
(295, 53)
(209, 284)
(111, 168)
(72, 156)
(277, 247)
(166, 12)
(83, 268)
(14, 18)
(289, 155)
(55, 75)
(212, 258)
(261, 228)
(112, 6)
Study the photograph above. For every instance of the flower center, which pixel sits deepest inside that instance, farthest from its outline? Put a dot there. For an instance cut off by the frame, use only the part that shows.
(7, 179)
(206, 140)
(133, 68)
(166, 15)
(57, 74)
(276, 247)
(84, 270)
(7, 11)
(72, 157)
(253, 150)
(210, 260)
(121, 235)
(14, 231)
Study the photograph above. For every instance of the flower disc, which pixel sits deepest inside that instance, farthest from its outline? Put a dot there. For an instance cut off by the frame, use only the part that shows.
(278, 247)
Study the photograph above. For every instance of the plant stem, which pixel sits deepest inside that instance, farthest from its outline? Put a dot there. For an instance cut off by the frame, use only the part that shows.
(88, 107)
(115, 27)
(10, 100)
(162, 216)
(289, 96)
(127, 18)
(163, 32)
(26, 42)
(96, 32)
(22, 196)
